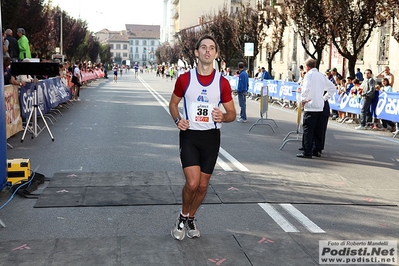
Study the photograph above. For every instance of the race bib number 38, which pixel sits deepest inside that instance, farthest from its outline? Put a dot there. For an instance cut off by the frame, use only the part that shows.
(201, 112)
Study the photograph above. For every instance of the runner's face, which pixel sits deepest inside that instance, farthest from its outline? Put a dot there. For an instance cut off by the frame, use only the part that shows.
(206, 52)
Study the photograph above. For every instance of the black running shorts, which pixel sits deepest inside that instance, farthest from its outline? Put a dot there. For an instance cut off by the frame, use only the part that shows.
(200, 147)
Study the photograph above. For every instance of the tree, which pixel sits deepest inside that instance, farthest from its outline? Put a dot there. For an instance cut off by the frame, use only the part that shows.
(187, 39)
(310, 24)
(249, 28)
(350, 24)
(94, 48)
(174, 54)
(276, 21)
(163, 53)
(221, 27)
(393, 10)
(30, 16)
(75, 34)
(105, 53)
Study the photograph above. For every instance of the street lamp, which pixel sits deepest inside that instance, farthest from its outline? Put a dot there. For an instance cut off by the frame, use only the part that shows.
(61, 40)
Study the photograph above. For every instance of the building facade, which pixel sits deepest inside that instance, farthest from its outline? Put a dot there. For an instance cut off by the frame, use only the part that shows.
(182, 14)
(119, 45)
(136, 43)
(378, 52)
(143, 41)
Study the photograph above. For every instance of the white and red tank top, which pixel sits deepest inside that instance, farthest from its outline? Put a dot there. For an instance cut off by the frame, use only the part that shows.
(199, 101)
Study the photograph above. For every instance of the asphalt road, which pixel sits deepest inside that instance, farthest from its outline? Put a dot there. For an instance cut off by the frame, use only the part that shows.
(352, 190)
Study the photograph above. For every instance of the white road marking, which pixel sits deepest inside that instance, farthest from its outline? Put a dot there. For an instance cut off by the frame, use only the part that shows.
(233, 160)
(300, 217)
(278, 218)
(223, 165)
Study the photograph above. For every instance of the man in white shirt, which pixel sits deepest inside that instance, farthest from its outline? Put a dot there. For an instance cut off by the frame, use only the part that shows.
(313, 95)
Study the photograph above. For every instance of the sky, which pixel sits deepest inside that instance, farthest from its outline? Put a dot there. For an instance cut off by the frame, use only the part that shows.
(113, 14)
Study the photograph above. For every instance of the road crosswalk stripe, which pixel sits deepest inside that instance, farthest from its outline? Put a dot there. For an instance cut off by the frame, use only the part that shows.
(278, 218)
(284, 223)
(300, 217)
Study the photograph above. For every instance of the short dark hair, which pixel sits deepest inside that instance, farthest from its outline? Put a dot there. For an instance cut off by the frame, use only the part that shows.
(203, 38)
(241, 65)
(369, 70)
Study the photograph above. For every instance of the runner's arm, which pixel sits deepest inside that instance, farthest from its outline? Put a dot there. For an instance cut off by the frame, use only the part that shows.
(230, 114)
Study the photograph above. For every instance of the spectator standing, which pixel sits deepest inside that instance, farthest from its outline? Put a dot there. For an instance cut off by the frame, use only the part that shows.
(301, 74)
(335, 76)
(5, 44)
(359, 75)
(315, 91)
(290, 75)
(242, 89)
(386, 73)
(367, 94)
(13, 48)
(258, 74)
(23, 44)
(385, 123)
(386, 85)
(76, 80)
(204, 90)
(265, 74)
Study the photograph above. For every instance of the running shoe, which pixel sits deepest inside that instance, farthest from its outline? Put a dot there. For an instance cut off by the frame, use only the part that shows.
(240, 120)
(178, 231)
(192, 230)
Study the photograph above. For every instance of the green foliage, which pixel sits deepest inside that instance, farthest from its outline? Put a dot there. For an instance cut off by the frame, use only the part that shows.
(42, 25)
(105, 53)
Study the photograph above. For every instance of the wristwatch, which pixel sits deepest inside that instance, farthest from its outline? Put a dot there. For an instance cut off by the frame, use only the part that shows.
(177, 120)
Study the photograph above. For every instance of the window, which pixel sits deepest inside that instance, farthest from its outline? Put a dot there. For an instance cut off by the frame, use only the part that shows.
(124, 54)
(136, 56)
(152, 42)
(118, 54)
(145, 50)
(125, 47)
(137, 42)
(384, 42)
(144, 57)
(144, 42)
(111, 46)
(118, 46)
(295, 48)
(137, 50)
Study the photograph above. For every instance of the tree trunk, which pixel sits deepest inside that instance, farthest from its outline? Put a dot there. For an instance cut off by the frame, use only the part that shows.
(270, 66)
(351, 66)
